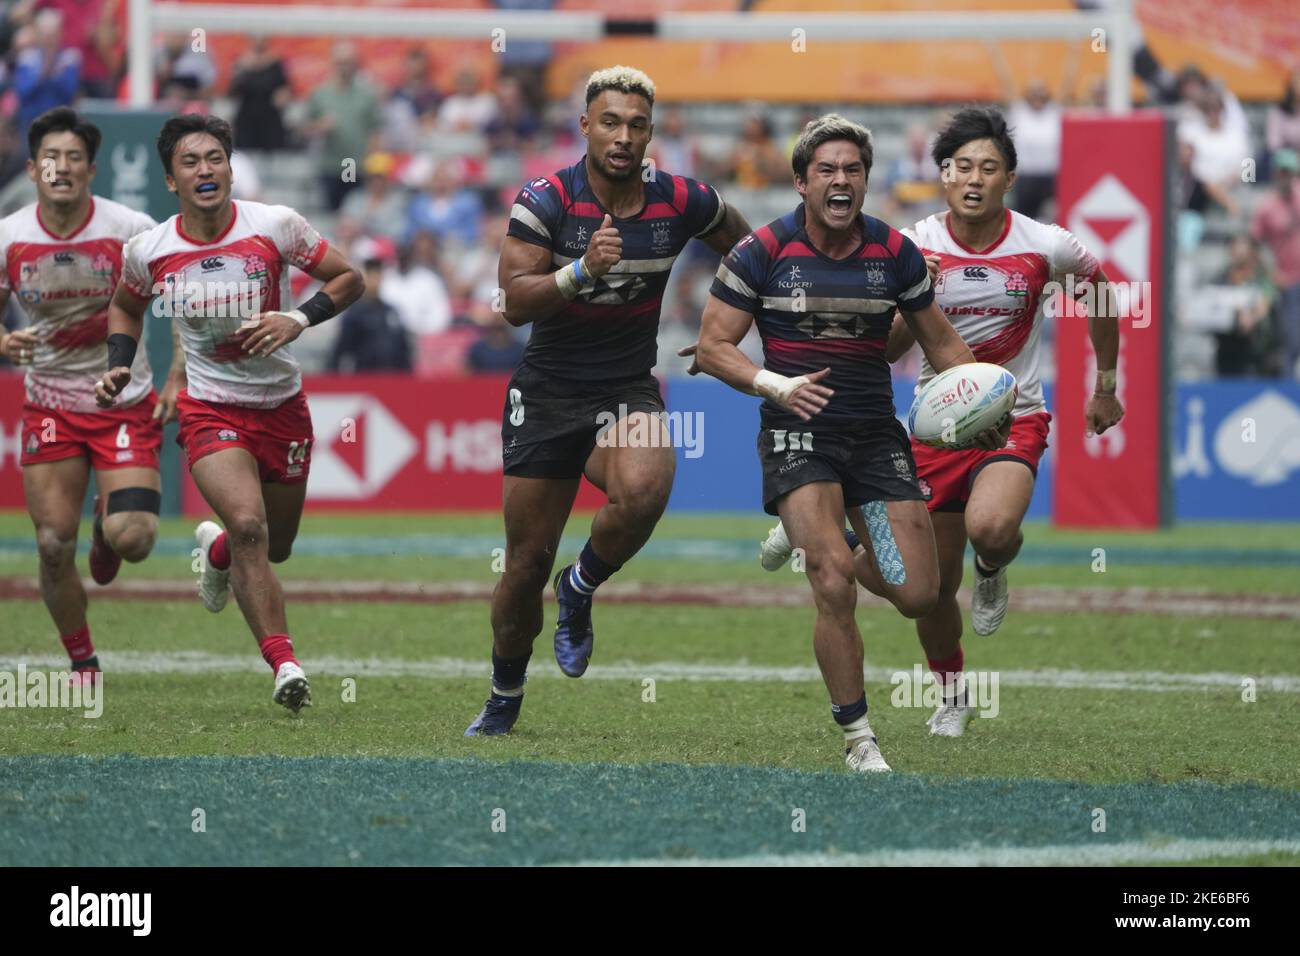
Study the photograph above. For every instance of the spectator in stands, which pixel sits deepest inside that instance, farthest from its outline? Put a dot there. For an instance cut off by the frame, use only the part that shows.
(469, 109)
(672, 147)
(912, 181)
(90, 26)
(497, 348)
(412, 107)
(47, 72)
(417, 87)
(342, 116)
(756, 161)
(261, 86)
(371, 336)
(1276, 224)
(13, 151)
(1282, 126)
(1249, 347)
(379, 207)
(15, 15)
(471, 274)
(1035, 125)
(446, 208)
(514, 124)
(1218, 150)
(184, 70)
(415, 290)
(1191, 200)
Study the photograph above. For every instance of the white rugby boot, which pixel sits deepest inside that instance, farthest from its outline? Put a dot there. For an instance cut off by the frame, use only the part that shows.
(214, 583)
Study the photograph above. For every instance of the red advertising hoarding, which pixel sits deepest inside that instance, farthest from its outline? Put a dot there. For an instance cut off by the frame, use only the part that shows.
(1112, 196)
(403, 444)
(11, 440)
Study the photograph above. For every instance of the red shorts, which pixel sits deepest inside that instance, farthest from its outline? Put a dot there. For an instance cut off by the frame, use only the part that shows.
(113, 438)
(279, 438)
(946, 475)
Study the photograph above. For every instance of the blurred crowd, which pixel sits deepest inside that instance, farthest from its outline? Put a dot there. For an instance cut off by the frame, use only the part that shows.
(413, 179)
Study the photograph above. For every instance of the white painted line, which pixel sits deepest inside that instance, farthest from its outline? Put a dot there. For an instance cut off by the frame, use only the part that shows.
(1079, 854)
(204, 662)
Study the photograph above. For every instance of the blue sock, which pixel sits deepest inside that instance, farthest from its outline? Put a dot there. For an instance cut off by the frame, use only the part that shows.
(851, 538)
(846, 714)
(509, 674)
(589, 571)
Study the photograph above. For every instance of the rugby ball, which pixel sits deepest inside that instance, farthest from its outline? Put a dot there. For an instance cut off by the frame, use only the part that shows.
(959, 403)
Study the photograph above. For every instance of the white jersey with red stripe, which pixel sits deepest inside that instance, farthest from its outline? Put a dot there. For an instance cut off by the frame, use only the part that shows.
(64, 285)
(211, 288)
(994, 297)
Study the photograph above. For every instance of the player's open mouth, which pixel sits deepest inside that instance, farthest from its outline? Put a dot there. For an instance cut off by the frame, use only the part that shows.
(621, 160)
(971, 199)
(62, 184)
(205, 188)
(840, 203)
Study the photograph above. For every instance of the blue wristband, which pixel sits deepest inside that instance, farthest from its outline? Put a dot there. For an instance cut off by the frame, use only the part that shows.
(577, 271)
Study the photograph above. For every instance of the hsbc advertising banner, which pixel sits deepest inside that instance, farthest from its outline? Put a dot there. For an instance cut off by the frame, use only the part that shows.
(1112, 194)
(402, 444)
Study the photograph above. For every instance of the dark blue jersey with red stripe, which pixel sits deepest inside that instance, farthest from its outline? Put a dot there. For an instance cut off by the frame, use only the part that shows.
(608, 332)
(815, 312)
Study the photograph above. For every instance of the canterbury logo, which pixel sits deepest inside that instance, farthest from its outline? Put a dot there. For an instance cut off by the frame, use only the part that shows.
(211, 263)
(63, 258)
(975, 272)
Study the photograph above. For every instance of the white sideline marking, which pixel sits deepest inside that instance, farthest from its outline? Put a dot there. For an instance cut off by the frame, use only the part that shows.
(1105, 854)
(203, 662)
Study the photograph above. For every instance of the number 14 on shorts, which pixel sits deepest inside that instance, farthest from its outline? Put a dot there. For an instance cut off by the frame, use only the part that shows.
(299, 450)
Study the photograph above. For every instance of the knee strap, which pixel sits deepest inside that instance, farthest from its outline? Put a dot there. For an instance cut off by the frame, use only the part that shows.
(134, 499)
(888, 558)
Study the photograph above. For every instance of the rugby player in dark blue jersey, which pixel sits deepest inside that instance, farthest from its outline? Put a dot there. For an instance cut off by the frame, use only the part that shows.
(586, 260)
(823, 283)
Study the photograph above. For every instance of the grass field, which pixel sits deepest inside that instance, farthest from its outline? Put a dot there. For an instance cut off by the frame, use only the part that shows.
(1163, 692)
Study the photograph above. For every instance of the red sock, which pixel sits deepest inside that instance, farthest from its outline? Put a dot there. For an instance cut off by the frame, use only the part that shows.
(78, 645)
(277, 649)
(946, 670)
(219, 553)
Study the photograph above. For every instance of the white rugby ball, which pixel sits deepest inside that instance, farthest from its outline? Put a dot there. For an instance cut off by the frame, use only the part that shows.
(959, 403)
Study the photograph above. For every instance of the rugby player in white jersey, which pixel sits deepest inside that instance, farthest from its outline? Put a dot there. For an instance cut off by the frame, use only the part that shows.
(222, 269)
(62, 257)
(993, 266)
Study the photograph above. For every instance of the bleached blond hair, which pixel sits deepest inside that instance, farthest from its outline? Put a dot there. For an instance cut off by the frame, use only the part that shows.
(625, 79)
(824, 129)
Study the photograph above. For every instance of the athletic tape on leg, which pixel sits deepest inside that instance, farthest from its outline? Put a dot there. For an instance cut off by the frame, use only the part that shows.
(888, 558)
(134, 499)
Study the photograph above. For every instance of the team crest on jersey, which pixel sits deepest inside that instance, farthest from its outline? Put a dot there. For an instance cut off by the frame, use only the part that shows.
(227, 434)
(1017, 285)
(102, 266)
(33, 443)
(661, 236)
(875, 280)
(255, 267)
(902, 465)
(926, 492)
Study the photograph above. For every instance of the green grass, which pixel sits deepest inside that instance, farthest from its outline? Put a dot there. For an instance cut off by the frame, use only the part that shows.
(461, 548)
(708, 770)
